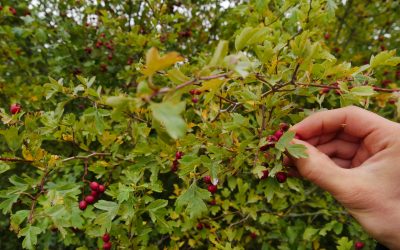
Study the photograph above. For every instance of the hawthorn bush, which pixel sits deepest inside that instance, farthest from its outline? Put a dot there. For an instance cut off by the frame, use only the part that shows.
(162, 124)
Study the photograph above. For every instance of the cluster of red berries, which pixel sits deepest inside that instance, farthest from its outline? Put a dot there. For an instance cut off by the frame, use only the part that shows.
(175, 163)
(359, 245)
(185, 33)
(107, 243)
(280, 176)
(99, 43)
(211, 187)
(15, 108)
(195, 92)
(97, 190)
(272, 139)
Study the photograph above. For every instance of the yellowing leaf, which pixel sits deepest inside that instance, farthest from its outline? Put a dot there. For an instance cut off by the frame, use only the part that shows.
(211, 85)
(155, 62)
(385, 58)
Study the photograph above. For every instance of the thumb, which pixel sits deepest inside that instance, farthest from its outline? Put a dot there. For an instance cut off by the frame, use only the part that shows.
(321, 170)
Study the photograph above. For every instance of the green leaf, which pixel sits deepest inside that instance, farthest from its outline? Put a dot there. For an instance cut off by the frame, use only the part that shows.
(193, 199)
(6, 205)
(4, 167)
(220, 52)
(13, 138)
(344, 244)
(285, 140)
(385, 58)
(362, 91)
(168, 114)
(157, 204)
(105, 219)
(177, 76)
(297, 150)
(30, 234)
(309, 233)
(243, 37)
(17, 218)
(250, 36)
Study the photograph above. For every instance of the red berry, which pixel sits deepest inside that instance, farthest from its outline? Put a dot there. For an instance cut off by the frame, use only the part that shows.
(109, 46)
(130, 61)
(359, 245)
(110, 57)
(106, 237)
(101, 188)
(327, 36)
(213, 202)
(284, 126)
(94, 186)
(12, 10)
(15, 108)
(325, 90)
(99, 44)
(281, 177)
(107, 245)
(1, 8)
(94, 194)
(207, 179)
(398, 74)
(253, 235)
(199, 226)
(272, 138)
(90, 199)
(103, 67)
(212, 188)
(386, 82)
(278, 134)
(265, 174)
(197, 92)
(88, 50)
(195, 100)
(382, 47)
(174, 166)
(178, 155)
(192, 91)
(392, 101)
(82, 205)
(102, 35)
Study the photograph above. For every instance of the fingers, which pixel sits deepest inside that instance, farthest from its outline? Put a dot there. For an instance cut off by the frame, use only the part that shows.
(353, 121)
(321, 170)
(339, 148)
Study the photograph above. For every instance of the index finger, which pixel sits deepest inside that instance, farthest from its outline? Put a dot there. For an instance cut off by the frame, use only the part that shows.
(352, 120)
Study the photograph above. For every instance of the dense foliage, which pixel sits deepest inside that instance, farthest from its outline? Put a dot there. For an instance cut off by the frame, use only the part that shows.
(179, 110)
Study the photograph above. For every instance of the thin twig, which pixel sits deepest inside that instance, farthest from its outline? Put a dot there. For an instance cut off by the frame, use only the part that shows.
(14, 159)
(85, 157)
(190, 82)
(241, 221)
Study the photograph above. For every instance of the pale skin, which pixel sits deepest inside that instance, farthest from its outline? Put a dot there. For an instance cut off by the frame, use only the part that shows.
(355, 155)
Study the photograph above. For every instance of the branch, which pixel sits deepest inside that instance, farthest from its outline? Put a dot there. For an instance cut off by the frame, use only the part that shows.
(315, 213)
(13, 159)
(241, 221)
(190, 82)
(83, 157)
(38, 194)
(379, 89)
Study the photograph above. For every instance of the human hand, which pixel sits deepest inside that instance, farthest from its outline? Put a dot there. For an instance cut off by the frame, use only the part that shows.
(355, 155)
